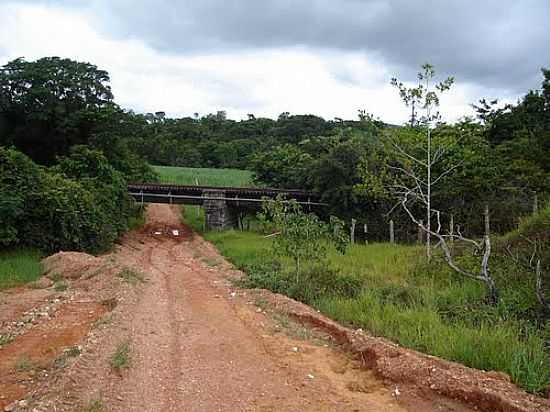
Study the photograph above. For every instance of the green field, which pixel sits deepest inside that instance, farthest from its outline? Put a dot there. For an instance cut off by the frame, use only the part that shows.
(427, 309)
(18, 267)
(204, 176)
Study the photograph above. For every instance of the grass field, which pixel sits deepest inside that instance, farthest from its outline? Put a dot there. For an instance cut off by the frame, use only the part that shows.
(204, 176)
(18, 267)
(430, 310)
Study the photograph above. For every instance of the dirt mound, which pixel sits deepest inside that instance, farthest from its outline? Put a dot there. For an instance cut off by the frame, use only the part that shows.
(71, 265)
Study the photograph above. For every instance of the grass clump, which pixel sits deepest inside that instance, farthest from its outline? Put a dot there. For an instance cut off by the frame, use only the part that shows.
(204, 176)
(131, 276)
(18, 267)
(61, 286)
(121, 358)
(24, 365)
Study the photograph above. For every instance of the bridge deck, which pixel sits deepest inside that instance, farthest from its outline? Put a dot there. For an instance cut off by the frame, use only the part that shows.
(196, 195)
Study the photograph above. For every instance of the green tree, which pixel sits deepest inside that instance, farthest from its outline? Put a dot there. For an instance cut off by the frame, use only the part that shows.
(301, 237)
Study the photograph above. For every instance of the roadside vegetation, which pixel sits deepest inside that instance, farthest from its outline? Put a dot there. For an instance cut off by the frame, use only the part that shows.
(391, 291)
(64, 160)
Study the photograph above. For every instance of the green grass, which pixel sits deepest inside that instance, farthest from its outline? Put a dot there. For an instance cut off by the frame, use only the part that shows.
(131, 276)
(121, 358)
(204, 176)
(425, 308)
(18, 267)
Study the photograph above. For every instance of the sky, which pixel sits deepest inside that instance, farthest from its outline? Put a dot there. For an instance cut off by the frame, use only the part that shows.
(265, 57)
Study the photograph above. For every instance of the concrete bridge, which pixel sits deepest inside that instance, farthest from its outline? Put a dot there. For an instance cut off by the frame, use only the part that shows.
(222, 205)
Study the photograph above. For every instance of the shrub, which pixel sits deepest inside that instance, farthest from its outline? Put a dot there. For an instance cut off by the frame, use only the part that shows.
(80, 204)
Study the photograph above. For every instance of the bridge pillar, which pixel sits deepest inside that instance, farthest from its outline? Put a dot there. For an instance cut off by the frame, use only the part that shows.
(217, 213)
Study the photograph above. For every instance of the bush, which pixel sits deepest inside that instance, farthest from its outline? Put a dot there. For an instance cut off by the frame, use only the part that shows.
(80, 204)
(312, 284)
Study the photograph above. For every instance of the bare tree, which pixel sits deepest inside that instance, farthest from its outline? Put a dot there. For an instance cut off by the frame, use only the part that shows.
(534, 265)
(416, 180)
(426, 96)
(482, 248)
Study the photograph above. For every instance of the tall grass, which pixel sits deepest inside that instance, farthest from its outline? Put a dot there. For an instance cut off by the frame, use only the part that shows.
(18, 267)
(204, 176)
(424, 308)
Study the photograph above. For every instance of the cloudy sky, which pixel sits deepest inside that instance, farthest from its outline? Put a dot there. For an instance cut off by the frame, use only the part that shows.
(326, 57)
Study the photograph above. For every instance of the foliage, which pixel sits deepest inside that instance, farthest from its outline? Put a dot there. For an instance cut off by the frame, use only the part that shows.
(121, 358)
(300, 236)
(426, 308)
(285, 166)
(66, 214)
(49, 105)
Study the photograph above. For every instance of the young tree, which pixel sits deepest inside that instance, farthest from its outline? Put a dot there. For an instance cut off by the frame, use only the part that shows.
(300, 236)
(425, 95)
(416, 183)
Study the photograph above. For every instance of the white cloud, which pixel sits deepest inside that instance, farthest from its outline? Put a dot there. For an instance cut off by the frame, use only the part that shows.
(265, 82)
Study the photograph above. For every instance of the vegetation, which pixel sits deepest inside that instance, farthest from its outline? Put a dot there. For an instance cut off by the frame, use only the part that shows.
(204, 176)
(121, 358)
(19, 266)
(131, 276)
(390, 291)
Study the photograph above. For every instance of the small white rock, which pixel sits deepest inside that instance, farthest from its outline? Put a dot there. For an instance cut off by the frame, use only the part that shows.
(310, 376)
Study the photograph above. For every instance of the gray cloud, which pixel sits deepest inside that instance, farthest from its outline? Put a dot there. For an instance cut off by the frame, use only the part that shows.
(498, 43)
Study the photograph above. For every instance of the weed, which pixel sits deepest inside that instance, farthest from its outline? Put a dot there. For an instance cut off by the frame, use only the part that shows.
(24, 365)
(61, 286)
(121, 358)
(6, 338)
(55, 277)
(131, 276)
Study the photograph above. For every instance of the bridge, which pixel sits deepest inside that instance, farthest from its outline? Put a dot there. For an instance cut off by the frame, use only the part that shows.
(221, 205)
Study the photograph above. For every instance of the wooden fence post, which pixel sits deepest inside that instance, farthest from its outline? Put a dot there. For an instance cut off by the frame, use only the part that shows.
(392, 234)
(452, 229)
(365, 230)
(535, 203)
(352, 231)
(420, 235)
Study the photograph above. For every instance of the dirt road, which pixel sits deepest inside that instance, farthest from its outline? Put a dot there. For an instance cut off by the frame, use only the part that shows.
(198, 344)
(195, 347)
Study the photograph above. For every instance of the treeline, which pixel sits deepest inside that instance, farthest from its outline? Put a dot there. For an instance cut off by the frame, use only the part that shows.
(65, 157)
(500, 157)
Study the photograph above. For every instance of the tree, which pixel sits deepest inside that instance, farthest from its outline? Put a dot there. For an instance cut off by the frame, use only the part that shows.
(50, 104)
(416, 167)
(300, 236)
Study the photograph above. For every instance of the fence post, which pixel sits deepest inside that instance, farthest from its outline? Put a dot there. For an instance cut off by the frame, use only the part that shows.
(420, 238)
(452, 229)
(365, 230)
(535, 203)
(392, 235)
(352, 231)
